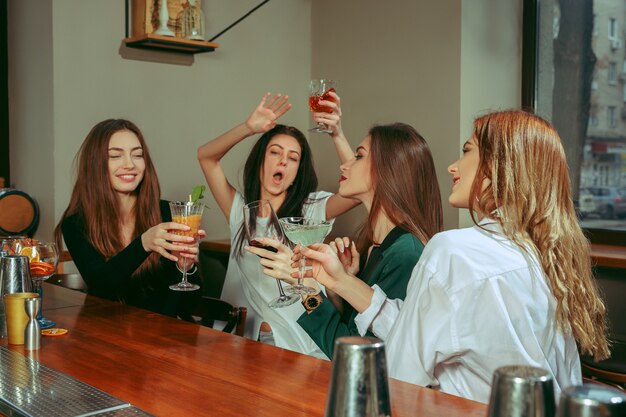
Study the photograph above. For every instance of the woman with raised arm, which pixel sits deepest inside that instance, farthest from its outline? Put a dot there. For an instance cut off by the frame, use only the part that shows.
(517, 288)
(280, 169)
(118, 231)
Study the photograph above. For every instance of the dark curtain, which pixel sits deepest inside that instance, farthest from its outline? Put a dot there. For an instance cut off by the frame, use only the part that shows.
(4, 98)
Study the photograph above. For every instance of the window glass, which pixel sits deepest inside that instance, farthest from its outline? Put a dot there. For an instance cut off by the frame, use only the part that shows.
(580, 86)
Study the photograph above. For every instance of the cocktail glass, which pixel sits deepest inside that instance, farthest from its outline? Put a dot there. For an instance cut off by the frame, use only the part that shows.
(44, 258)
(304, 232)
(260, 221)
(189, 214)
(320, 90)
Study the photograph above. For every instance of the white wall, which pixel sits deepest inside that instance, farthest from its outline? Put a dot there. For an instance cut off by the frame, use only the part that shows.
(72, 71)
(491, 46)
(434, 65)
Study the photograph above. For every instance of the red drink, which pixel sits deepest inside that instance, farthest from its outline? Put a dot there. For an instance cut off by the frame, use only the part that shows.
(314, 102)
(258, 244)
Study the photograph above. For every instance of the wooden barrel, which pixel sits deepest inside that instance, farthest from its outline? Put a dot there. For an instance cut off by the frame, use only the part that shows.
(19, 213)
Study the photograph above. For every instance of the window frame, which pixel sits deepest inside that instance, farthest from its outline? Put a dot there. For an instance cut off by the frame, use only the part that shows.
(530, 55)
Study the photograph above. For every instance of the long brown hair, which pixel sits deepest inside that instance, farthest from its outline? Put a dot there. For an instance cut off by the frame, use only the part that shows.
(404, 181)
(94, 199)
(522, 156)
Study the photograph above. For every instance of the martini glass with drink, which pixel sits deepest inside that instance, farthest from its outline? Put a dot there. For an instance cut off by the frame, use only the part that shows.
(188, 213)
(304, 232)
(319, 90)
(261, 222)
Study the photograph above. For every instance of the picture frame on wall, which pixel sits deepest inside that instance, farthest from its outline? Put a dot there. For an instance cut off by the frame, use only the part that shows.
(145, 16)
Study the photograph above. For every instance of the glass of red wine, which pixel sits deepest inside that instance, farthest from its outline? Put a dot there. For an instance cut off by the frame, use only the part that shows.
(260, 221)
(319, 89)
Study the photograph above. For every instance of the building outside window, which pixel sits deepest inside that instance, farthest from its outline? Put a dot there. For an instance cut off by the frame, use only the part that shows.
(567, 89)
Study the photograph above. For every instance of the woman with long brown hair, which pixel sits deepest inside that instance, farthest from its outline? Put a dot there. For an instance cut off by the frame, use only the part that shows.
(393, 175)
(517, 288)
(116, 228)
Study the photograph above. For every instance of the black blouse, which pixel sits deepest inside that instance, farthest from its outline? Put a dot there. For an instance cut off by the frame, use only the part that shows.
(111, 278)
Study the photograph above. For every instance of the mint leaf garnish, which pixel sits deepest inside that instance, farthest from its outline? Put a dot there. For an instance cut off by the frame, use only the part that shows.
(197, 193)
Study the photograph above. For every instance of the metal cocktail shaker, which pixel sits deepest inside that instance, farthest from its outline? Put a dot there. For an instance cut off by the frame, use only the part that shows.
(522, 391)
(591, 400)
(14, 277)
(358, 386)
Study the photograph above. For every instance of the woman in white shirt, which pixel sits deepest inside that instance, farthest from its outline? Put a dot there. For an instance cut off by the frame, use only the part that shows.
(280, 169)
(516, 288)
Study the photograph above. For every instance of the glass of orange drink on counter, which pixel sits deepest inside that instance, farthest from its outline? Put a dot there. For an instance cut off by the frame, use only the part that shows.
(190, 214)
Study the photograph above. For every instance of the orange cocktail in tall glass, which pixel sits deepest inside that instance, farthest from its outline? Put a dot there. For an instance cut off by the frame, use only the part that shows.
(189, 214)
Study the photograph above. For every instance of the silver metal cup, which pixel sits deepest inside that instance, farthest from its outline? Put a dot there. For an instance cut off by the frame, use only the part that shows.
(521, 391)
(15, 274)
(358, 386)
(592, 400)
(14, 277)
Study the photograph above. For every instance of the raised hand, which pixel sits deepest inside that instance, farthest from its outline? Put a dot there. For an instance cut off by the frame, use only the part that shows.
(264, 116)
(347, 254)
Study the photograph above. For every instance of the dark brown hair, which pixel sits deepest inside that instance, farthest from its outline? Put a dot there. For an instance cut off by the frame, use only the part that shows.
(94, 201)
(404, 181)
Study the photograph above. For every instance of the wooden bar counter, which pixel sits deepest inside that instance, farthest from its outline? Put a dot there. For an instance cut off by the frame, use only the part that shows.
(168, 367)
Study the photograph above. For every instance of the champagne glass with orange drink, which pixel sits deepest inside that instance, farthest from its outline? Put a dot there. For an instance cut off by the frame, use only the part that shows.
(320, 89)
(44, 259)
(188, 213)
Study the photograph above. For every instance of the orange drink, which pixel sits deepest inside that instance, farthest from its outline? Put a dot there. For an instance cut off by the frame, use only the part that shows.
(192, 220)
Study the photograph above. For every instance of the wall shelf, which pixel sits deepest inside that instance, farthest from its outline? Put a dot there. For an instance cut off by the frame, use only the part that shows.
(170, 44)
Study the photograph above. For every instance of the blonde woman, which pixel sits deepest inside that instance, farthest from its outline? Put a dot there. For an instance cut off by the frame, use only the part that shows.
(516, 288)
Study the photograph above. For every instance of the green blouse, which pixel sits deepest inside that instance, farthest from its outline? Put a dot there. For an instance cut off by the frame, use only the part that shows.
(398, 255)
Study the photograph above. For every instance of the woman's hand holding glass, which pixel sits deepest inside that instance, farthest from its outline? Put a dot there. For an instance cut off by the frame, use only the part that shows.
(275, 264)
(162, 239)
(326, 267)
(264, 116)
(332, 119)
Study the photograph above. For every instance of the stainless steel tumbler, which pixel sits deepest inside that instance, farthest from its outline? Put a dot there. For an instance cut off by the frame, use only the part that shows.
(359, 386)
(15, 274)
(592, 400)
(14, 277)
(522, 391)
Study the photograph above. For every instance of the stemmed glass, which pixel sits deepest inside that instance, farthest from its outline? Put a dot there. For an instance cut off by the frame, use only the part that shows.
(14, 244)
(190, 214)
(44, 259)
(261, 222)
(304, 232)
(320, 90)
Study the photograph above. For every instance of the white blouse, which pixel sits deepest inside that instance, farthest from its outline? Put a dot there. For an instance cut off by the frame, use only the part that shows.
(475, 302)
(245, 285)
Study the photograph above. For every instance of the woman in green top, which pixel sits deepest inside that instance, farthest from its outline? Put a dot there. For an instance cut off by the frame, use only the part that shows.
(393, 175)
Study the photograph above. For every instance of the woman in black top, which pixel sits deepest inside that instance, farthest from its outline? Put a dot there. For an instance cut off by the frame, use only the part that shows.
(117, 229)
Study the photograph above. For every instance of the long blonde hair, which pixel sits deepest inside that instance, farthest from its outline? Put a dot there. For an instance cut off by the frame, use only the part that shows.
(521, 154)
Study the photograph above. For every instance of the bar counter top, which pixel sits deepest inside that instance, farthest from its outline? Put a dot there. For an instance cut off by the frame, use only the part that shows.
(168, 367)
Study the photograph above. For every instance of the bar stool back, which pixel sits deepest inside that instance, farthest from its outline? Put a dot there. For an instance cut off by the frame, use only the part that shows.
(612, 370)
